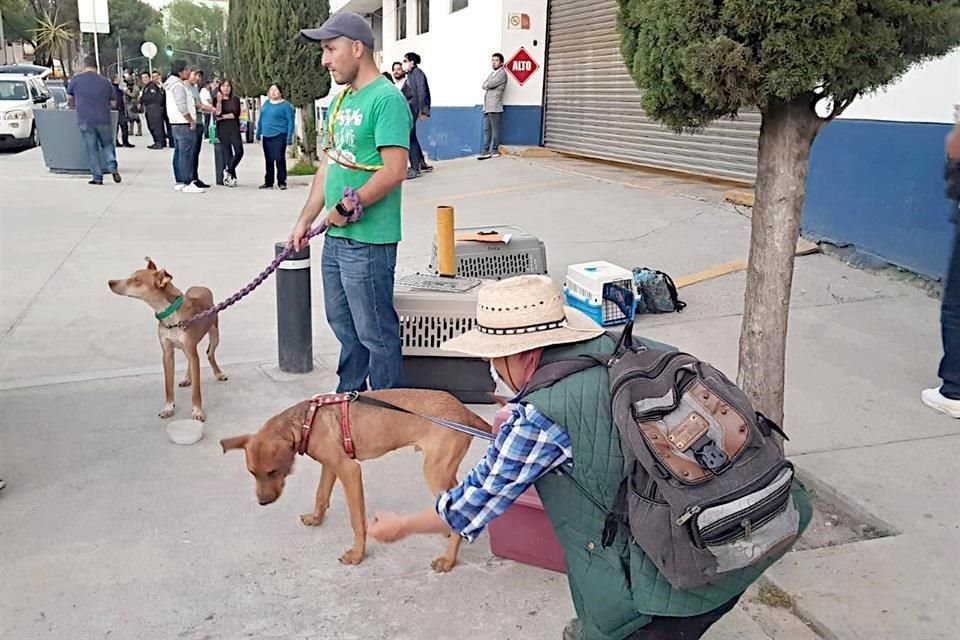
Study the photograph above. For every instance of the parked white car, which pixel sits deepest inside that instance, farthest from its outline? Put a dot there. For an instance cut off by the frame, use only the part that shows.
(19, 95)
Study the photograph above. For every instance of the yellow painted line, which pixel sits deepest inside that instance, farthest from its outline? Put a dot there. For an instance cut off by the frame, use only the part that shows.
(487, 192)
(804, 247)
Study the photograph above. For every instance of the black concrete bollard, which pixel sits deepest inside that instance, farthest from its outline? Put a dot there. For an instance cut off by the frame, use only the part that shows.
(294, 324)
(218, 163)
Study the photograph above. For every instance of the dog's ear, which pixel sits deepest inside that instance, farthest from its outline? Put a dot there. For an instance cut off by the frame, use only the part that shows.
(150, 265)
(236, 442)
(163, 278)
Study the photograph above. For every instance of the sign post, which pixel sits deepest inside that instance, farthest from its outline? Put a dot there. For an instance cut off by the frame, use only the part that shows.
(149, 50)
(94, 17)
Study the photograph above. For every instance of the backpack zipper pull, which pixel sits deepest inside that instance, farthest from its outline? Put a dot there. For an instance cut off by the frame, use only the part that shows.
(689, 513)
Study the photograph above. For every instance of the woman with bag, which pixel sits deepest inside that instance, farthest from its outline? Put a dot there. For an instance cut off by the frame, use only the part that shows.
(228, 131)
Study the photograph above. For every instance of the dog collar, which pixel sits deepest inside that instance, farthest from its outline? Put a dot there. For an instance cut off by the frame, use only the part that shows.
(169, 311)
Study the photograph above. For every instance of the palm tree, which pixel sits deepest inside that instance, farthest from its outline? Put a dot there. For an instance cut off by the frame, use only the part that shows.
(51, 37)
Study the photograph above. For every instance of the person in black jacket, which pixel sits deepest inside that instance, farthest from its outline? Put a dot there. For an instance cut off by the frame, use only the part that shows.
(152, 103)
(416, 90)
(122, 122)
(227, 115)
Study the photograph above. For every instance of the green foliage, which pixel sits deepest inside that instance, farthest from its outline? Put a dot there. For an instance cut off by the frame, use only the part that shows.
(129, 22)
(18, 20)
(697, 61)
(265, 47)
(196, 27)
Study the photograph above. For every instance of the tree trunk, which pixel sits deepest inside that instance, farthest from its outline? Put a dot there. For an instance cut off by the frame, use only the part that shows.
(309, 142)
(787, 133)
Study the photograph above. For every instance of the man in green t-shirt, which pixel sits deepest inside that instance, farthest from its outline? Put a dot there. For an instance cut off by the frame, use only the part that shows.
(366, 139)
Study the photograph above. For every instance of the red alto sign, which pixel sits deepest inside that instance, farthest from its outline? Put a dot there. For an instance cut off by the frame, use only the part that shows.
(521, 66)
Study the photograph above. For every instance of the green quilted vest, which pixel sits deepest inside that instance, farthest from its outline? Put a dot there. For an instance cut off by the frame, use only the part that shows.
(616, 589)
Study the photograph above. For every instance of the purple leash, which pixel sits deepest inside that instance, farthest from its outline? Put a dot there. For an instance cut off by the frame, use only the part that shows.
(348, 193)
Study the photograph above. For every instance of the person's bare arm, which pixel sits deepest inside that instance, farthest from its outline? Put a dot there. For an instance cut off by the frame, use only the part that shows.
(393, 527)
(312, 208)
(384, 181)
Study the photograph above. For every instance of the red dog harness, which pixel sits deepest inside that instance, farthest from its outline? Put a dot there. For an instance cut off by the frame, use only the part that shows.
(344, 400)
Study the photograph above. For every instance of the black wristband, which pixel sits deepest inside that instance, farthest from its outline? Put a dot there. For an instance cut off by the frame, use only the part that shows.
(342, 210)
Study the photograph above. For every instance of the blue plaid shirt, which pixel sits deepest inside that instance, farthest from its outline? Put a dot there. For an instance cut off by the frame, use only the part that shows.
(528, 446)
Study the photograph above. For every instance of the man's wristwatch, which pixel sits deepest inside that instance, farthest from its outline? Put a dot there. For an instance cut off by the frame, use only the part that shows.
(342, 210)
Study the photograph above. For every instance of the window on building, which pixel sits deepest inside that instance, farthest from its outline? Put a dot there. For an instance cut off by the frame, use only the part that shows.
(423, 16)
(401, 15)
(456, 5)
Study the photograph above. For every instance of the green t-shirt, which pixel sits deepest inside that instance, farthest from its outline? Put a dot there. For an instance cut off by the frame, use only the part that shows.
(376, 116)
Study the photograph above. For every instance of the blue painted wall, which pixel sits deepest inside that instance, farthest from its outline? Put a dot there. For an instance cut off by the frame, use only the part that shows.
(454, 132)
(879, 186)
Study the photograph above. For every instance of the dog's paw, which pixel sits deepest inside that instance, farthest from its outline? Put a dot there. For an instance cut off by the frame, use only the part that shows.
(167, 411)
(222, 377)
(311, 519)
(443, 564)
(198, 415)
(185, 382)
(352, 556)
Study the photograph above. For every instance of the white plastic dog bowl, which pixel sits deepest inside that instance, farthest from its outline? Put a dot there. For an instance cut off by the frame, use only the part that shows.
(185, 431)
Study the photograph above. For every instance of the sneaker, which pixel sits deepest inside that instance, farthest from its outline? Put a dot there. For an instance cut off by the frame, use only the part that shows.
(129, 146)
(495, 154)
(156, 146)
(483, 156)
(178, 187)
(283, 187)
(226, 177)
(937, 401)
(265, 186)
(116, 176)
(95, 182)
(411, 174)
(193, 188)
(426, 168)
(201, 184)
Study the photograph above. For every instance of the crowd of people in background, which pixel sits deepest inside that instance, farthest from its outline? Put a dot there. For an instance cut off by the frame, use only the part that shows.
(183, 109)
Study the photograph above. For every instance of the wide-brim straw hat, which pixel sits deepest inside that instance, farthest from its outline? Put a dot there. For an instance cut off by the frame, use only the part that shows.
(520, 314)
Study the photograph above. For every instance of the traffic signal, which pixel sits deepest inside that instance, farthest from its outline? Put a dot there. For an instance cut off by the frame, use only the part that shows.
(168, 50)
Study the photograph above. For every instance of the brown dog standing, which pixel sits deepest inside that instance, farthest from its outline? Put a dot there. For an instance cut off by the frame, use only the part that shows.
(375, 431)
(154, 286)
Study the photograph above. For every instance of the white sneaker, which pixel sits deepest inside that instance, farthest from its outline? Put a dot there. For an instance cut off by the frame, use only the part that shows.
(226, 177)
(937, 401)
(178, 187)
(192, 188)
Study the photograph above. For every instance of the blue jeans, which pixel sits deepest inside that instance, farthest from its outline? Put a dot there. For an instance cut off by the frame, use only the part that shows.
(101, 151)
(184, 145)
(950, 321)
(358, 298)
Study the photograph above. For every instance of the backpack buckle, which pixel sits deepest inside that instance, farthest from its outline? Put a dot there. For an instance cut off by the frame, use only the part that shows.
(710, 456)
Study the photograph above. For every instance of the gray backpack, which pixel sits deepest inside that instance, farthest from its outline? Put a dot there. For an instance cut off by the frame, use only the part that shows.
(706, 489)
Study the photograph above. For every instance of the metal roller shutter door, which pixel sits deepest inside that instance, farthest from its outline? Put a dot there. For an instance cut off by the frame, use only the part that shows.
(592, 105)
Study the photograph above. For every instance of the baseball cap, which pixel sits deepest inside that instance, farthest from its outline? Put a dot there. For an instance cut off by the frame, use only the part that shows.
(346, 24)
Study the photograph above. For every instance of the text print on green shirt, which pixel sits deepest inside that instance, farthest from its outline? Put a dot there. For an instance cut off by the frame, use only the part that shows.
(377, 116)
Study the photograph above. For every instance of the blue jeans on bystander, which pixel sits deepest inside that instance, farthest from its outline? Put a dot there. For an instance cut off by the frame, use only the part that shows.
(101, 150)
(184, 143)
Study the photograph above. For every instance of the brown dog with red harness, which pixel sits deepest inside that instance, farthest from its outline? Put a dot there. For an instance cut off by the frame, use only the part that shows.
(339, 432)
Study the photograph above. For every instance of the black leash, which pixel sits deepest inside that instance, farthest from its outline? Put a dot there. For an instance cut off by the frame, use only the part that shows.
(456, 426)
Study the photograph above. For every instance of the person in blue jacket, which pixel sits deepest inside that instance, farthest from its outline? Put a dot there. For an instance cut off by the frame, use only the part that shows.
(275, 127)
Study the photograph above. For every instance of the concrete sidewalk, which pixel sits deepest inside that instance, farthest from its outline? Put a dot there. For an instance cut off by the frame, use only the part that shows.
(110, 531)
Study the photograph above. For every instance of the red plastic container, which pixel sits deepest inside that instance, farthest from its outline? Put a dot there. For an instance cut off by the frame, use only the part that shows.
(523, 532)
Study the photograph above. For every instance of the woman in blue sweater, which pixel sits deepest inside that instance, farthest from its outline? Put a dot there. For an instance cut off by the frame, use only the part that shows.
(276, 126)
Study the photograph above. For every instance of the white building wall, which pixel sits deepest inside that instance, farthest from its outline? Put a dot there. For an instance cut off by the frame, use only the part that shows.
(455, 51)
(929, 92)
